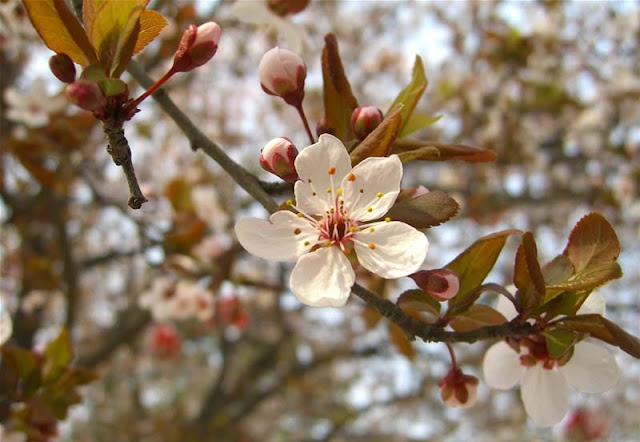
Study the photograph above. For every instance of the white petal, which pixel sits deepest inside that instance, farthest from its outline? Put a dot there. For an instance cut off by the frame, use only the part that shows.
(315, 162)
(6, 326)
(309, 201)
(591, 369)
(277, 239)
(322, 278)
(372, 187)
(506, 307)
(253, 12)
(392, 250)
(501, 366)
(594, 304)
(545, 395)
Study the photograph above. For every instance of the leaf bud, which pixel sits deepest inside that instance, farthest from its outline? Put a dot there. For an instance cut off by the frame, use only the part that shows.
(282, 73)
(441, 284)
(63, 68)
(278, 157)
(198, 45)
(287, 7)
(458, 389)
(364, 120)
(85, 94)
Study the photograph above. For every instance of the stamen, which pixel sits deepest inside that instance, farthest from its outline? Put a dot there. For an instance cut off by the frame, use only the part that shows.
(299, 214)
(314, 194)
(289, 203)
(339, 191)
(370, 230)
(331, 170)
(361, 190)
(370, 209)
(379, 194)
(351, 177)
(387, 220)
(372, 246)
(306, 243)
(297, 232)
(329, 190)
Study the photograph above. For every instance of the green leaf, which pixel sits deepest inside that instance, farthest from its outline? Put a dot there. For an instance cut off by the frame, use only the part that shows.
(419, 305)
(417, 122)
(113, 27)
(25, 364)
(527, 275)
(566, 303)
(559, 341)
(474, 264)
(60, 30)
(476, 316)
(593, 249)
(410, 95)
(151, 24)
(378, 142)
(605, 330)
(411, 150)
(112, 87)
(58, 354)
(428, 210)
(339, 101)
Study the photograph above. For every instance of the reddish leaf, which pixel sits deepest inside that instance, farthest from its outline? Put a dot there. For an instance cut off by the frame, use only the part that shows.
(411, 150)
(428, 210)
(151, 24)
(475, 263)
(476, 316)
(378, 143)
(419, 305)
(339, 101)
(527, 275)
(401, 342)
(605, 330)
(60, 30)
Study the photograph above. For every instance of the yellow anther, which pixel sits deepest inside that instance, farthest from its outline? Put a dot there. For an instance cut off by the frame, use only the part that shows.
(347, 251)
(329, 190)
(299, 215)
(370, 209)
(387, 220)
(306, 243)
(289, 203)
(339, 191)
(352, 229)
(372, 229)
(379, 194)
(372, 246)
(331, 171)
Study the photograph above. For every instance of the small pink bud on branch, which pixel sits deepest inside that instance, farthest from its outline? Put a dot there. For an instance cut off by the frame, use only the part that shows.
(282, 73)
(86, 95)
(441, 284)
(458, 389)
(364, 120)
(197, 46)
(278, 157)
(63, 68)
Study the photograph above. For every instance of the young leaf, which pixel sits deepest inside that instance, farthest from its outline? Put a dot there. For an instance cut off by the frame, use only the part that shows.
(559, 341)
(151, 24)
(112, 27)
(60, 30)
(417, 122)
(378, 143)
(58, 354)
(339, 101)
(401, 342)
(475, 263)
(566, 303)
(527, 275)
(410, 95)
(593, 249)
(411, 150)
(428, 210)
(419, 305)
(476, 316)
(605, 330)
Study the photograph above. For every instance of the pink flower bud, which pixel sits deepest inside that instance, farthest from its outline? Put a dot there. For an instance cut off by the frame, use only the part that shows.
(86, 95)
(441, 284)
(165, 341)
(278, 158)
(584, 425)
(63, 68)
(197, 46)
(364, 120)
(458, 389)
(286, 7)
(282, 73)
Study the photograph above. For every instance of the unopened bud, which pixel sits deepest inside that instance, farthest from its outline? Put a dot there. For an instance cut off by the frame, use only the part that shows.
(282, 73)
(63, 68)
(197, 46)
(278, 157)
(86, 95)
(458, 389)
(364, 120)
(165, 341)
(441, 284)
(286, 7)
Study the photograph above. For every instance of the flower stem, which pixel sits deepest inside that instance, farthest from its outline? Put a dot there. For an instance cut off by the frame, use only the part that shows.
(300, 110)
(153, 88)
(454, 363)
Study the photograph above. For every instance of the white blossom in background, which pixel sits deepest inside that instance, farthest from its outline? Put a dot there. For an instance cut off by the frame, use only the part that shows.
(545, 385)
(34, 106)
(337, 208)
(14, 24)
(167, 300)
(258, 13)
(6, 326)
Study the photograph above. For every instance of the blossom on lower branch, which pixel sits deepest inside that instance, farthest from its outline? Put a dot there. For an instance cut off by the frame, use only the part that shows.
(544, 382)
(336, 214)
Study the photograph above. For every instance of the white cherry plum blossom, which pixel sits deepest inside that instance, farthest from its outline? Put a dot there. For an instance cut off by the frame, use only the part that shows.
(544, 383)
(338, 213)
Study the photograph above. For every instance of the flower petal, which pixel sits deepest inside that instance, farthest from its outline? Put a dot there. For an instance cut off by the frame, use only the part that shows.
(506, 307)
(390, 249)
(314, 163)
(277, 239)
(501, 367)
(591, 369)
(6, 326)
(372, 187)
(309, 201)
(594, 304)
(322, 278)
(545, 395)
